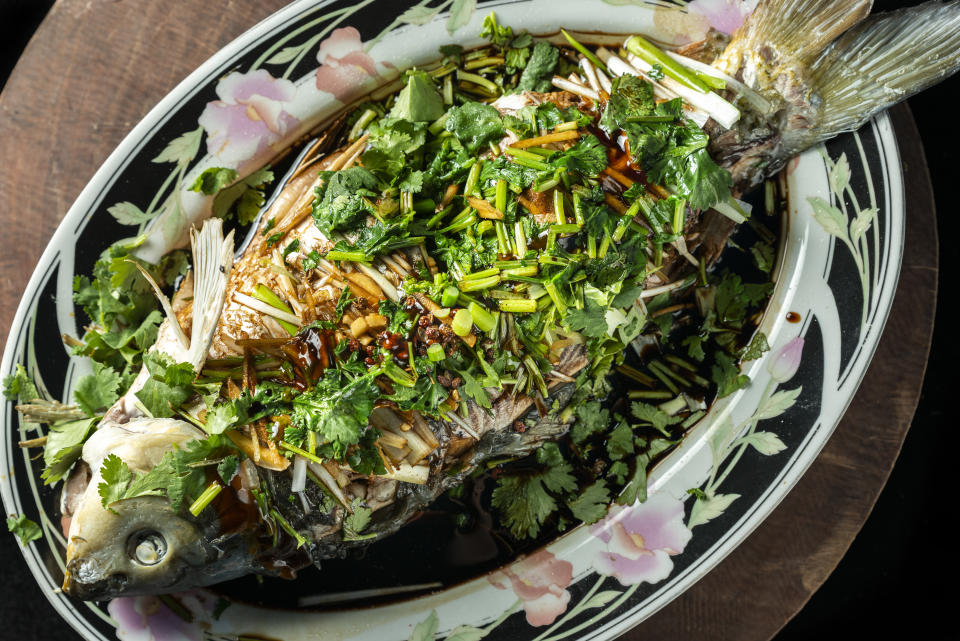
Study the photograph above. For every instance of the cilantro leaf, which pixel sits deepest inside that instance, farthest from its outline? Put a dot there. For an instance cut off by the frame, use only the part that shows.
(592, 418)
(116, 477)
(497, 34)
(337, 408)
(524, 504)
(339, 204)
(590, 321)
(228, 467)
(475, 124)
(98, 391)
(538, 72)
(63, 447)
(727, 376)
(25, 529)
(19, 386)
(758, 345)
(588, 157)
(653, 415)
(356, 522)
(591, 505)
(620, 442)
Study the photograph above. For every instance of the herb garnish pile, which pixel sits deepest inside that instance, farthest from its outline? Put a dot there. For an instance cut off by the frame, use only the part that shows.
(527, 231)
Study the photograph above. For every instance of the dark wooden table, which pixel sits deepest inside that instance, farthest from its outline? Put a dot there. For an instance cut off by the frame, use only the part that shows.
(93, 69)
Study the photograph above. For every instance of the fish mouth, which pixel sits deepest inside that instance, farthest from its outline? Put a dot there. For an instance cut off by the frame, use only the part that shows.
(93, 589)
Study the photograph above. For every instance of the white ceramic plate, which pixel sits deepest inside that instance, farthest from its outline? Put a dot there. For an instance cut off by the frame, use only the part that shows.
(841, 243)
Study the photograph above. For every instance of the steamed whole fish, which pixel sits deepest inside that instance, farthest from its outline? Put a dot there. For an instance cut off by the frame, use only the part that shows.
(332, 326)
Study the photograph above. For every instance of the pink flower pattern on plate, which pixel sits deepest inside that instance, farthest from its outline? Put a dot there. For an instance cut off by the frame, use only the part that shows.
(640, 539)
(249, 116)
(786, 362)
(723, 15)
(147, 618)
(540, 581)
(345, 67)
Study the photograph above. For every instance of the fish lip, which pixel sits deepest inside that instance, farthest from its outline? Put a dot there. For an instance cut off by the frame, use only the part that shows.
(110, 586)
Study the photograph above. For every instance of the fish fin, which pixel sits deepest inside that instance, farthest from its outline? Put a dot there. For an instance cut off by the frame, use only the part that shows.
(885, 59)
(212, 261)
(165, 304)
(792, 32)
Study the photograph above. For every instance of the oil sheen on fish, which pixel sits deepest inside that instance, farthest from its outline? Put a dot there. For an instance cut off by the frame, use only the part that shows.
(312, 292)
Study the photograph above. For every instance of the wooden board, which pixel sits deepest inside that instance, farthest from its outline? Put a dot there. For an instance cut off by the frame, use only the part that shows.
(93, 69)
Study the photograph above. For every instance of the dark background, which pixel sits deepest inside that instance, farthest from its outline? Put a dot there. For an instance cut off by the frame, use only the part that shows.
(883, 584)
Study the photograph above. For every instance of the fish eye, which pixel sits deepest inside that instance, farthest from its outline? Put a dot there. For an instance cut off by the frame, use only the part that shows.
(147, 547)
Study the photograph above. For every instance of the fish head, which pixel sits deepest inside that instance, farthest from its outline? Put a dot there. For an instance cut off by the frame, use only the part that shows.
(142, 545)
(138, 546)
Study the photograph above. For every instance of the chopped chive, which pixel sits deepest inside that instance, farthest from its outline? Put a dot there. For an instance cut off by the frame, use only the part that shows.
(449, 296)
(530, 270)
(396, 374)
(282, 522)
(483, 62)
(577, 208)
(463, 224)
(520, 239)
(671, 407)
(663, 379)
(357, 257)
(365, 119)
(679, 215)
(473, 177)
(501, 195)
(493, 271)
(651, 54)
(507, 264)
(462, 322)
(448, 90)
(517, 305)
(540, 151)
(547, 184)
(592, 57)
(650, 119)
(479, 80)
(517, 152)
(604, 244)
(479, 283)
(654, 394)
(636, 375)
(438, 125)
(266, 295)
(296, 450)
(435, 353)
(555, 296)
(482, 318)
(558, 206)
(693, 418)
(503, 241)
(205, 498)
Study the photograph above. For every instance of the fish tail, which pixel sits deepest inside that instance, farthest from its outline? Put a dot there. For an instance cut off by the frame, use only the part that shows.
(883, 60)
(792, 32)
(212, 261)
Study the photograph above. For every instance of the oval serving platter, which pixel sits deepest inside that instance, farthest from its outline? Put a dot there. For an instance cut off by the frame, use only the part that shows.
(840, 253)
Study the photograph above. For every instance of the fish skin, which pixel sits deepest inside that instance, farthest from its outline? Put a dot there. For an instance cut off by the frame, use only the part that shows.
(800, 78)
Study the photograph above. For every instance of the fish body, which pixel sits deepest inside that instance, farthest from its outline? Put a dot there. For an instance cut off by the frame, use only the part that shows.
(812, 64)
